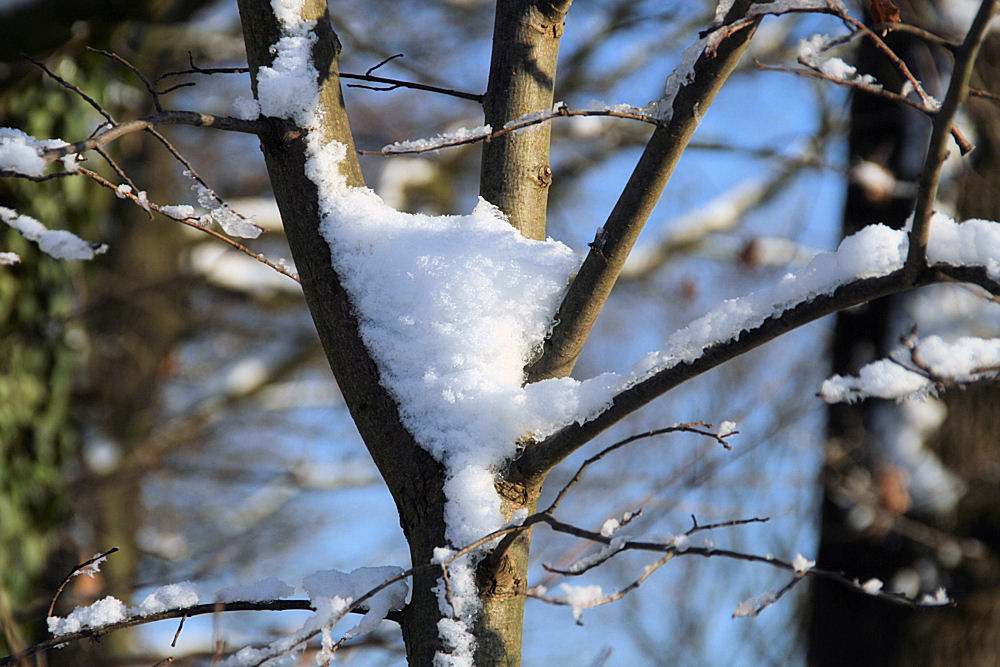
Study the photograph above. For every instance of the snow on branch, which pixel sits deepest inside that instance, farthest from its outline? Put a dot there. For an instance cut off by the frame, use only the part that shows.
(920, 367)
(463, 136)
(867, 264)
(56, 243)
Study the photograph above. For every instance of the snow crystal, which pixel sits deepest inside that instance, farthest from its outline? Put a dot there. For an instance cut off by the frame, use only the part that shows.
(178, 211)
(231, 222)
(609, 527)
(939, 598)
(103, 612)
(598, 556)
(92, 568)
(726, 428)
(801, 564)
(580, 598)
(682, 75)
(9, 258)
(873, 586)
(171, 596)
(57, 243)
(751, 606)
(123, 190)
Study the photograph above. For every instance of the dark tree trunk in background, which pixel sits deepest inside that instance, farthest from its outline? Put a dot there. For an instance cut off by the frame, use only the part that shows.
(866, 505)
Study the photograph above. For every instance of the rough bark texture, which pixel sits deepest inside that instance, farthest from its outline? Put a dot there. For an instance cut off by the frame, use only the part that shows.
(515, 172)
(413, 477)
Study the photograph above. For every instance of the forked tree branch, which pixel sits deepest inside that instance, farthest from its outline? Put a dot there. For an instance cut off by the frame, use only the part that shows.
(590, 289)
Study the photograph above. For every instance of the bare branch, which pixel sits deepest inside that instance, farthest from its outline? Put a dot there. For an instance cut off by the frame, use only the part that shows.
(692, 427)
(937, 150)
(135, 70)
(66, 84)
(195, 118)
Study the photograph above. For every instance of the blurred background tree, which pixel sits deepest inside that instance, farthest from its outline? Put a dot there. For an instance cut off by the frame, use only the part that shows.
(171, 398)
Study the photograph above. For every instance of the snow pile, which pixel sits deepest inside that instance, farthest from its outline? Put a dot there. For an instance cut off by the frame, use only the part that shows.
(460, 135)
(874, 251)
(261, 591)
(57, 243)
(801, 564)
(104, 612)
(21, 153)
(580, 598)
(110, 610)
(960, 361)
(812, 53)
(171, 596)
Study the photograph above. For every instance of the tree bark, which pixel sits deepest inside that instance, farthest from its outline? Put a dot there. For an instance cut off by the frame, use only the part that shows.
(414, 478)
(515, 172)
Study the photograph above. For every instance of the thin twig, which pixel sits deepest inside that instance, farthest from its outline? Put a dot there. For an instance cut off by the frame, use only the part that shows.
(195, 118)
(561, 111)
(76, 570)
(872, 89)
(692, 427)
(135, 70)
(76, 89)
(395, 83)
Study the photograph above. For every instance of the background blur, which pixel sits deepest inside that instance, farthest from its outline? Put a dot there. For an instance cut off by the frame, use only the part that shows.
(171, 398)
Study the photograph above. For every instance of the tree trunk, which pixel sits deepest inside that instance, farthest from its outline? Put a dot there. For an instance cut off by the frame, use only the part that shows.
(414, 478)
(845, 627)
(515, 173)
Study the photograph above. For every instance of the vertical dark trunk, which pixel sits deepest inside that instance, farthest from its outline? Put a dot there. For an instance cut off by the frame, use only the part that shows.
(847, 627)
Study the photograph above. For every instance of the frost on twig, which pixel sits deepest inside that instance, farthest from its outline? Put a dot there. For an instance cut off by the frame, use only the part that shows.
(219, 211)
(813, 54)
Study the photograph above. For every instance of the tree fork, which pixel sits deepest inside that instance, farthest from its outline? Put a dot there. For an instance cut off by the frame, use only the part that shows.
(414, 478)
